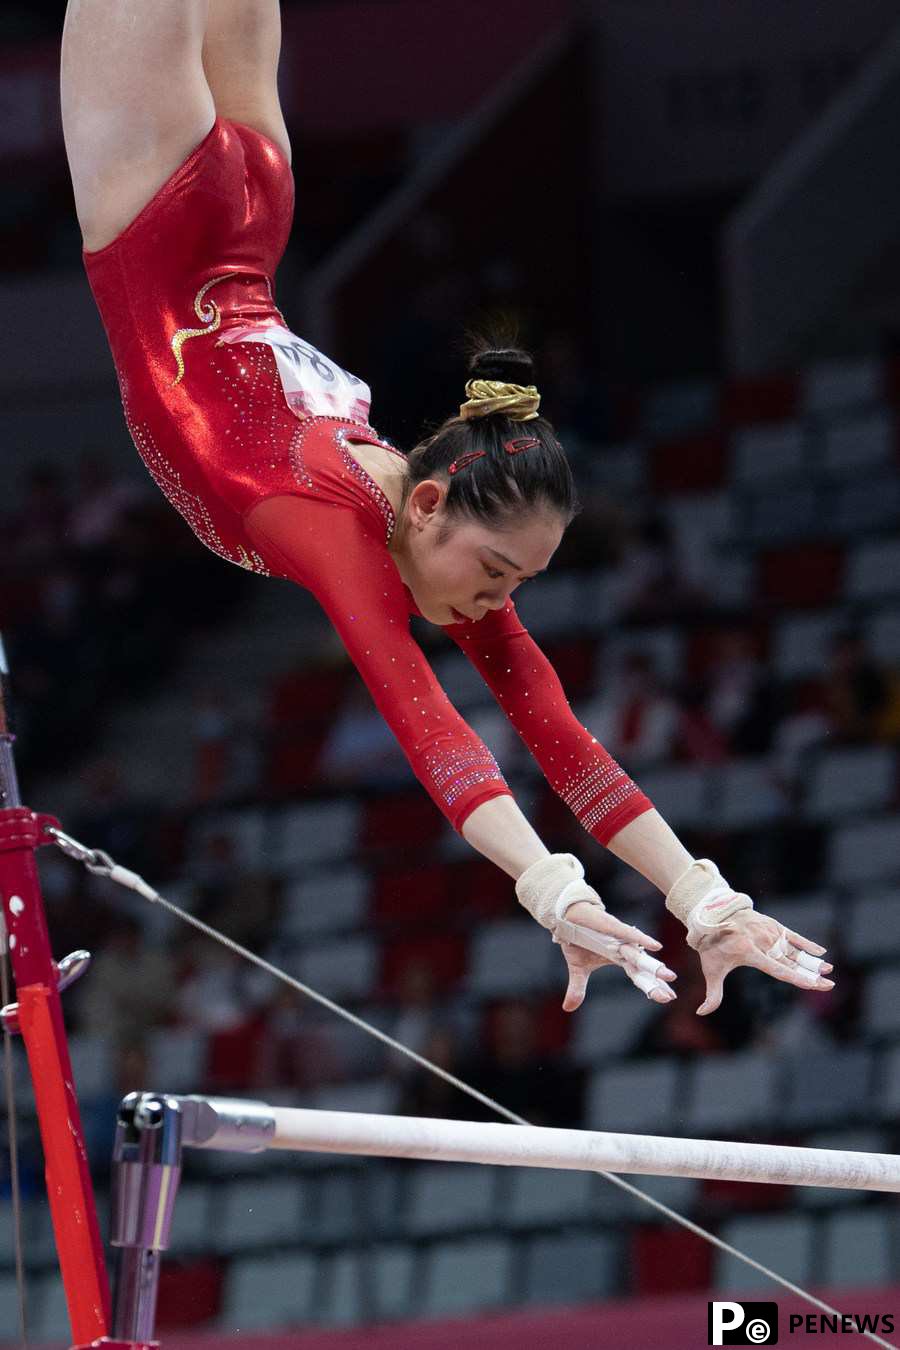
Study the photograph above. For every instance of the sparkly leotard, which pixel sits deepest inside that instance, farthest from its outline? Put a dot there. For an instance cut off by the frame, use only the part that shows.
(227, 407)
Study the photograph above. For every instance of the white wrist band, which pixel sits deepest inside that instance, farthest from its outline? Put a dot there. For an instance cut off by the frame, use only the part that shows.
(550, 886)
(703, 900)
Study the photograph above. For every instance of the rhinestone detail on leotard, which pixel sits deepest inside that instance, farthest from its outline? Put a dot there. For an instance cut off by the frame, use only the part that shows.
(188, 505)
(597, 792)
(453, 772)
(342, 435)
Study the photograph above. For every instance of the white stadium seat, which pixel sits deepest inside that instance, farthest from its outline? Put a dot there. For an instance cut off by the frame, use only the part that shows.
(680, 406)
(680, 792)
(866, 851)
(745, 795)
(342, 968)
(571, 1267)
(538, 1197)
(47, 1311)
(731, 1093)
(313, 833)
(802, 643)
(679, 1193)
(872, 930)
(881, 1002)
(92, 1064)
(260, 1212)
(263, 1293)
(466, 1277)
(835, 384)
(192, 1225)
(609, 1022)
(378, 1096)
(769, 451)
(176, 1059)
(552, 604)
(342, 1293)
(887, 1098)
(827, 1087)
(634, 1097)
(337, 1212)
(784, 1242)
(873, 570)
(884, 634)
(333, 900)
(856, 444)
(392, 1279)
(447, 1197)
(851, 780)
(858, 1247)
(511, 956)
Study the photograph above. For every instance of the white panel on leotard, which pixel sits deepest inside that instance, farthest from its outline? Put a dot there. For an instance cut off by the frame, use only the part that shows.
(313, 385)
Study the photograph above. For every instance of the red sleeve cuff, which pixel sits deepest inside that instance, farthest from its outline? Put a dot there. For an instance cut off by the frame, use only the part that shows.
(623, 815)
(477, 798)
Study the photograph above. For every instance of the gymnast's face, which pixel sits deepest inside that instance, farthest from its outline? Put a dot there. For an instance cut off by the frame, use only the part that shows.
(460, 569)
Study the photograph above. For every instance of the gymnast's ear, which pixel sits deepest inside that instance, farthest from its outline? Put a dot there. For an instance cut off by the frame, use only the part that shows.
(425, 502)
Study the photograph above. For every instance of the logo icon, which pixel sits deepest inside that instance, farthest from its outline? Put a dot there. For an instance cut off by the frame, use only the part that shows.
(743, 1323)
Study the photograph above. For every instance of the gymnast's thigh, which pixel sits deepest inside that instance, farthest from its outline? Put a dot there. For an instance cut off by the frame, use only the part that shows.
(135, 103)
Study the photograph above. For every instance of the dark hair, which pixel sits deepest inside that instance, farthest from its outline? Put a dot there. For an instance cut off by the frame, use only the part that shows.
(495, 488)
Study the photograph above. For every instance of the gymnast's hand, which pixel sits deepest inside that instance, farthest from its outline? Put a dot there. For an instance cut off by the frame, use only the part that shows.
(554, 892)
(726, 932)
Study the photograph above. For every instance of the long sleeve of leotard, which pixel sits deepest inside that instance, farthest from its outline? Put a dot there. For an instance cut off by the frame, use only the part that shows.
(587, 778)
(338, 554)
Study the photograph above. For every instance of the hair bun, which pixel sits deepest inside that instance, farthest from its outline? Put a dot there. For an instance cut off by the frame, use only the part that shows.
(508, 365)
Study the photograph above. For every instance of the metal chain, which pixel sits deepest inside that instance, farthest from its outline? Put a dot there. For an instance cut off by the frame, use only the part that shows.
(101, 864)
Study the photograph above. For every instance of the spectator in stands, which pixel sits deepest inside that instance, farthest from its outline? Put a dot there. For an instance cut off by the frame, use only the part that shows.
(653, 583)
(698, 740)
(423, 1015)
(635, 716)
(805, 727)
(425, 1094)
(36, 532)
(861, 695)
(545, 1090)
(101, 499)
(742, 699)
(130, 987)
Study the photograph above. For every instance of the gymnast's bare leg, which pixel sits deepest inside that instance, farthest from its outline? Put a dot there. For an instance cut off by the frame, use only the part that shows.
(241, 47)
(142, 82)
(135, 102)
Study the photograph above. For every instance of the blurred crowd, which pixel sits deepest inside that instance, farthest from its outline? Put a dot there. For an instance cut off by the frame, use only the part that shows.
(94, 565)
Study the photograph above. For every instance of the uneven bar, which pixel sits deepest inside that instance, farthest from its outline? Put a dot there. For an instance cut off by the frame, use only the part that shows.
(532, 1146)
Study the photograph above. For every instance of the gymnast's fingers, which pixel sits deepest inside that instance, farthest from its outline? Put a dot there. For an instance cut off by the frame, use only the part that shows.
(804, 943)
(787, 971)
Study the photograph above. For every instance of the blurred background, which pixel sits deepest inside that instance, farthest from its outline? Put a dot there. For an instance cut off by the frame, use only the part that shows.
(692, 210)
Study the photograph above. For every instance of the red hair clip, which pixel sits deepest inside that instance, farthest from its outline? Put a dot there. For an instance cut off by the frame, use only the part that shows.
(464, 460)
(519, 444)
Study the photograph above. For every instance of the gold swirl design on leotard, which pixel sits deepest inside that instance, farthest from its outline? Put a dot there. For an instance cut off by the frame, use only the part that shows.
(209, 314)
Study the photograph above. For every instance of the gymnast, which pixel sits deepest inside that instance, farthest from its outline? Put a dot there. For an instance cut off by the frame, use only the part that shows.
(181, 169)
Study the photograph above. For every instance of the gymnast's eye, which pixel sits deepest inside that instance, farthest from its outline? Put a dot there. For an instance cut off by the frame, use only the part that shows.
(493, 574)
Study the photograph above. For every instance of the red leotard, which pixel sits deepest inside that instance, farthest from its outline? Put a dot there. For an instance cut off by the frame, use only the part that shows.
(227, 407)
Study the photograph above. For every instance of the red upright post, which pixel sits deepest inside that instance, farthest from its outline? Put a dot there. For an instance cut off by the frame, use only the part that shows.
(69, 1187)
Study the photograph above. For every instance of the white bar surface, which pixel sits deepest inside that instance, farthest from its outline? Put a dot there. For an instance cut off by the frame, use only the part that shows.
(585, 1150)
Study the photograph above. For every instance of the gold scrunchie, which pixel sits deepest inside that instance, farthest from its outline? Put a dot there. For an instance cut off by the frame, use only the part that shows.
(517, 401)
